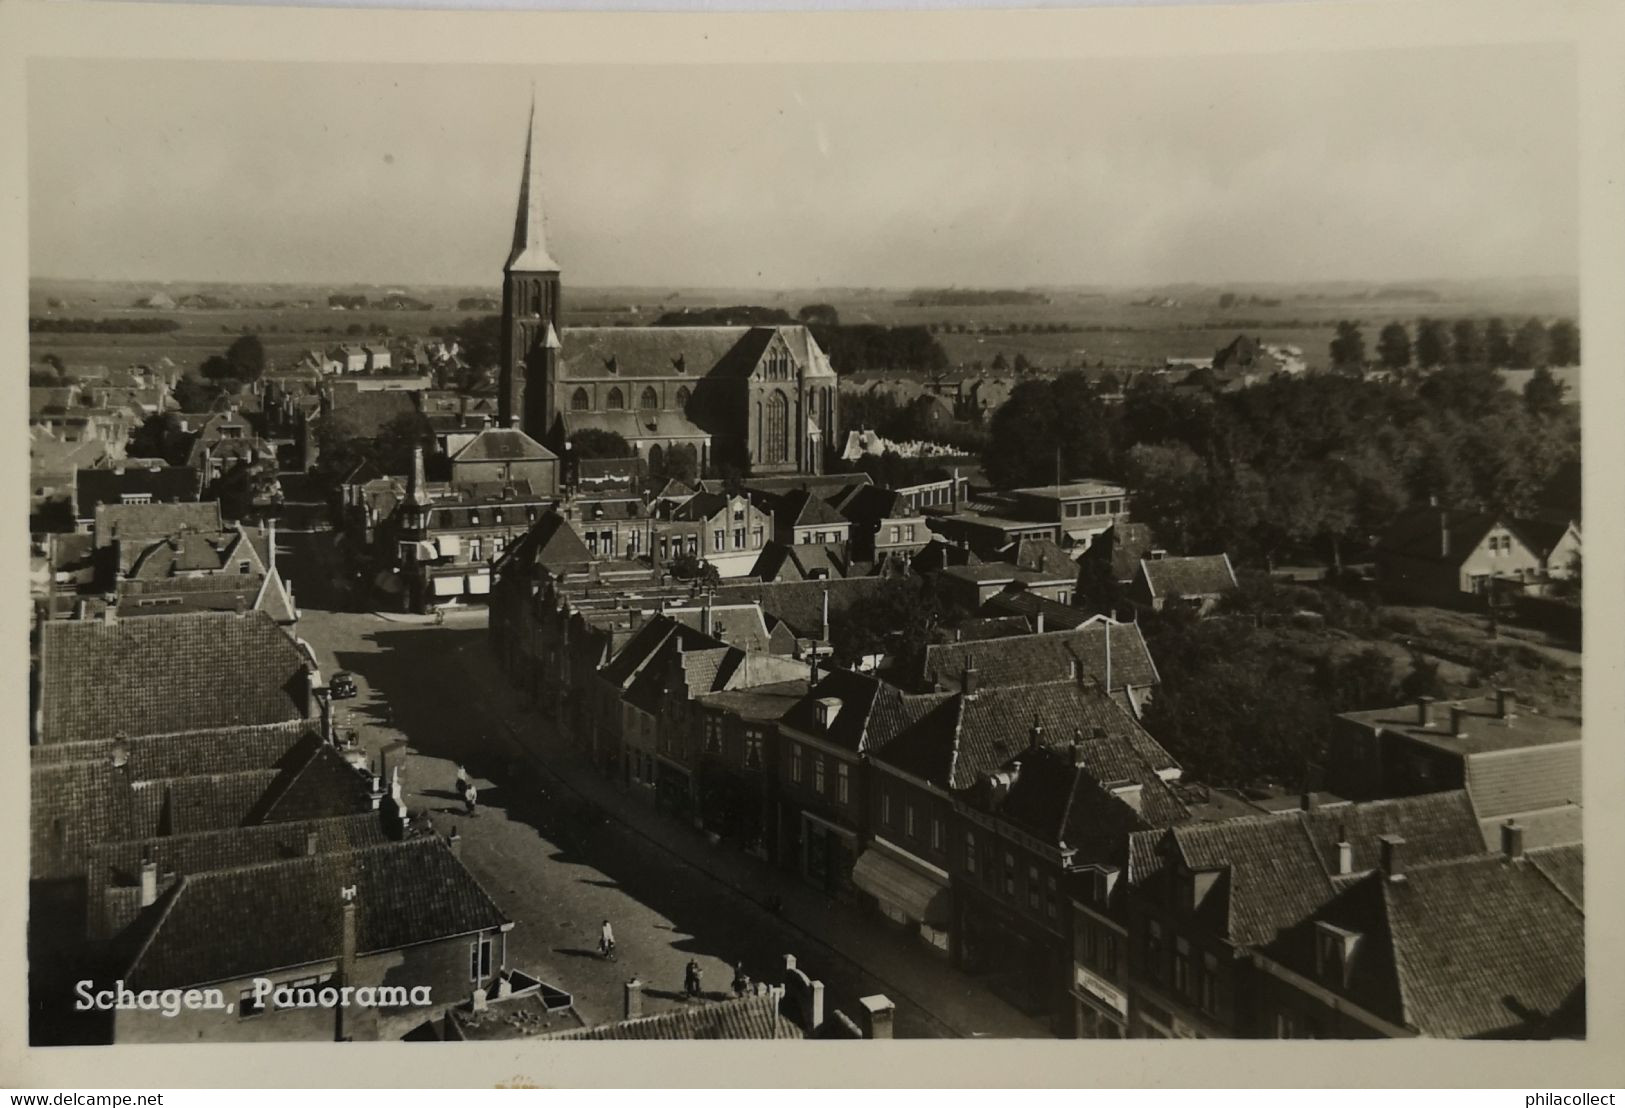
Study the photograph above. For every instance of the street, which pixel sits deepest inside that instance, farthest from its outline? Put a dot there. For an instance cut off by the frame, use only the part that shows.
(558, 864)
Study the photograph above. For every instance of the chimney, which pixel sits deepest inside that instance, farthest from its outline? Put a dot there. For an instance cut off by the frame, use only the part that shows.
(1038, 624)
(705, 615)
(1345, 855)
(877, 1016)
(1424, 711)
(1392, 848)
(1511, 839)
(633, 992)
(455, 842)
(970, 679)
(1307, 799)
(824, 636)
(1035, 733)
(110, 611)
(417, 484)
(310, 843)
(149, 882)
(1506, 701)
(1457, 714)
(1077, 748)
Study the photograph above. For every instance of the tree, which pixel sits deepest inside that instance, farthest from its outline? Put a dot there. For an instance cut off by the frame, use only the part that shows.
(689, 567)
(1348, 347)
(1000, 365)
(679, 462)
(899, 620)
(396, 439)
(1357, 682)
(43, 378)
(1432, 343)
(193, 394)
(1529, 346)
(822, 314)
(1563, 340)
(1394, 346)
(1049, 428)
(160, 436)
(247, 357)
(1466, 343)
(1497, 344)
(1543, 394)
(591, 442)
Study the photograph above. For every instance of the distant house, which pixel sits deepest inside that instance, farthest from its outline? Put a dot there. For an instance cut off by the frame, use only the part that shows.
(1198, 581)
(801, 518)
(1443, 556)
(505, 456)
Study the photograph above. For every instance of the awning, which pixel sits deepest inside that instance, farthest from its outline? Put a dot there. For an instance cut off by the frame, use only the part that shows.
(426, 550)
(479, 583)
(450, 546)
(448, 586)
(889, 880)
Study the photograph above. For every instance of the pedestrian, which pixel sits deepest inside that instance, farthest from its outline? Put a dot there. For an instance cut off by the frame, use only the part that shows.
(741, 982)
(471, 798)
(691, 979)
(606, 941)
(462, 781)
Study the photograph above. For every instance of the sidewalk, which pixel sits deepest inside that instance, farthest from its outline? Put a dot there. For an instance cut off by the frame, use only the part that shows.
(961, 1005)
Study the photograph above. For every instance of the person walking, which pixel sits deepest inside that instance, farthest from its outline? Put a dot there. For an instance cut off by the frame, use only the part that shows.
(691, 980)
(471, 798)
(463, 781)
(606, 941)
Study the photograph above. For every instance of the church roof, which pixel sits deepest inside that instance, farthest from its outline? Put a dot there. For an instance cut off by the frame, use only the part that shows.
(634, 425)
(605, 353)
(530, 252)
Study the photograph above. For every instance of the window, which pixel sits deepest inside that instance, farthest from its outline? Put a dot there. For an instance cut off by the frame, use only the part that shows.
(908, 820)
(1153, 949)
(1051, 909)
(135, 498)
(614, 402)
(818, 773)
(713, 736)
(718, 540)
(1108, 954)
(649, 400)
(682, 399)
(756, 537)
(479, 959)
(1032, 887)
(1089, 943)
(885, 807)
(579, 401)
(1010, 876)
(896, 534)
(243, 567)
(1182, 966)
(970, 852)
(739, 538)
(473, 550)
(795, 762)
(908, 533)
(937, 836)
(592, 543)
(496, 514)
(753, 753)
(474, 518)
(530, 514)
(843, 783)
(496, 546)
(1209, 985)
(248, 1005)
(1117, 506)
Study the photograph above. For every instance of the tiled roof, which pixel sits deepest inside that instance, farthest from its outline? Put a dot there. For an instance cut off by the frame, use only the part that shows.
(804, 562)
(1419, 533)
(503, 445)
(800, 604)
(236, 923)
(633, 424)
(177, 754)
(749, 1017)
(1564, 866)
(167, 673)
(1201, 575)
(741, 625)
(119, 863)
(637, 352)
(1049, 657)
(764, 702)
(1434, 825)
(1484, 947)
(319, 784)
(1028, 605)
(800, 508)
(1043, 556)
(990, 627)
(133, 522)
(872, 711)
(107, 486)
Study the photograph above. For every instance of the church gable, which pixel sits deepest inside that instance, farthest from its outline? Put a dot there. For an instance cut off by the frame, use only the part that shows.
(776, 362)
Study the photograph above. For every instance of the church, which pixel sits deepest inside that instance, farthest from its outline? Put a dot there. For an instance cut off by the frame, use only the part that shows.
(761, 400)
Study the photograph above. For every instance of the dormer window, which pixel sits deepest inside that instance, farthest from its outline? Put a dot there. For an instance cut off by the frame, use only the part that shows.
(1334, 952)
(828, 708)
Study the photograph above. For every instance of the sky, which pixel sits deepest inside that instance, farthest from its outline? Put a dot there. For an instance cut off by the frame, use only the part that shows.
(1423, 164)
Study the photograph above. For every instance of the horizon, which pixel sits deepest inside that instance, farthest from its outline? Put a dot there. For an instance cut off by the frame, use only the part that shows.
(1462, 163)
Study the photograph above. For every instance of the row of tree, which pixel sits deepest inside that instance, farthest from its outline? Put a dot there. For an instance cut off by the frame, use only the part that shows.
(1438, 342)
(1294, 467)
(135, 325)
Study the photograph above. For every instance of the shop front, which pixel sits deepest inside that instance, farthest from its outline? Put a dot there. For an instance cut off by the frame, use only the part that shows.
(910, 892)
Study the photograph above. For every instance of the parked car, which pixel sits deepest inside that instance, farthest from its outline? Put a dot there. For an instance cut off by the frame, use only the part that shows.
(342, 686)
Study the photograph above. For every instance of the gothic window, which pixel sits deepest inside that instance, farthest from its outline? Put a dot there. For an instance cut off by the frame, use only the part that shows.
(776, 437)
(650, 399)
(614, 402)
(682, 399)
(580, 401)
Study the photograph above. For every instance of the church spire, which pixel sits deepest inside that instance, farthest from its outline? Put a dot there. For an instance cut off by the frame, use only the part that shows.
(529, 230)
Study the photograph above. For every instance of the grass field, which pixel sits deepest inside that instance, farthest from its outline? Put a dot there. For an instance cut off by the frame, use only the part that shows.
(1116, 326)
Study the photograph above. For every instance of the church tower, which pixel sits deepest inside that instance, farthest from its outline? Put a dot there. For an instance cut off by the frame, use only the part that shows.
(530, 311)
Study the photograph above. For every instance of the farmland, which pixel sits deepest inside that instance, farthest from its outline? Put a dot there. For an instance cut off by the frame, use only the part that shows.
(1068, 327)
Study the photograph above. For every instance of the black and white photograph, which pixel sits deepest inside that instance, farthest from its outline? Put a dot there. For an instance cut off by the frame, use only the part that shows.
(1041, 544)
